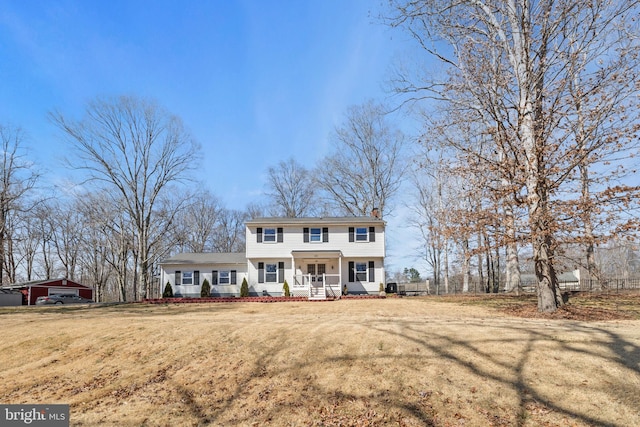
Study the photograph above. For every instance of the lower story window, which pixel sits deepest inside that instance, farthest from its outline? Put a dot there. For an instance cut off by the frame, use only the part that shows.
(271, 273)
(224, 277)
(361, 271)
(187, 278)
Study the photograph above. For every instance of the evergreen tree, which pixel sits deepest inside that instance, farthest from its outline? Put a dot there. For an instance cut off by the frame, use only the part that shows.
(205, 290)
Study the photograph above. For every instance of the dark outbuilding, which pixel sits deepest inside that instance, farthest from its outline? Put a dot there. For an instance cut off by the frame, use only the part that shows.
(32, 290)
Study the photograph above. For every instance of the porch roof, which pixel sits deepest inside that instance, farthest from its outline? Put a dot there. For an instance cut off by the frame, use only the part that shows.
(317, 254)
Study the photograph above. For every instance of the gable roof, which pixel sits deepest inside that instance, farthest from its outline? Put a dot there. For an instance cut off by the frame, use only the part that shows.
(66, 283)
(207, 258)
(342, 220)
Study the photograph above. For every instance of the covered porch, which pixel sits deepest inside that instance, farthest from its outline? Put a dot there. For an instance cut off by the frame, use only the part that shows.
(317, 274)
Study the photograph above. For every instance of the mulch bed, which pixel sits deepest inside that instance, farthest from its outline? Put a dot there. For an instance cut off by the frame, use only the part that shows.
(249, 299)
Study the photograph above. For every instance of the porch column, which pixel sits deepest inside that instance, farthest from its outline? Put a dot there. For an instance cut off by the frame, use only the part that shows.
(340, 271)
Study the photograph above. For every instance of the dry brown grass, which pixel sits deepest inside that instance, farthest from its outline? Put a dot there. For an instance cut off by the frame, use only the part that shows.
(407, 362)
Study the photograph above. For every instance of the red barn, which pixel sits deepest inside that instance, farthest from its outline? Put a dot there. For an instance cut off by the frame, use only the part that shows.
(32, 290)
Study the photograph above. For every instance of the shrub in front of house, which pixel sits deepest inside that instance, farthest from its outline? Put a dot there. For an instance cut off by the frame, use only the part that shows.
(244, 288)
(286, 290)
(205, 289)
(168, 291)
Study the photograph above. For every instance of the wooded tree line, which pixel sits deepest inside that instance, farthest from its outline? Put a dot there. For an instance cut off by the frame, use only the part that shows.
(526, 161)
(531, 132)
(132, 205)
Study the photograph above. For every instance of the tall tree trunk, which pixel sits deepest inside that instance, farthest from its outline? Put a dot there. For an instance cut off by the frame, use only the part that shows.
(549, 298)
(466, 267)
(487, 257)
(512, 270)
(480, 268)
(143, 265)
(446, 267)
(530, 115)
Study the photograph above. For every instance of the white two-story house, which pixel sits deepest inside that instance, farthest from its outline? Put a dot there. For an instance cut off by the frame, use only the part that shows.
(317, 257)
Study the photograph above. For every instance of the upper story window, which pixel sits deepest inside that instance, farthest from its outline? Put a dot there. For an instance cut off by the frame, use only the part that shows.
(362, 234)
(315, 234)
(269, 235)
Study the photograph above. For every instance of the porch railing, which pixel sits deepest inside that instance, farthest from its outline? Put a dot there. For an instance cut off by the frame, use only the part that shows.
(327, 285)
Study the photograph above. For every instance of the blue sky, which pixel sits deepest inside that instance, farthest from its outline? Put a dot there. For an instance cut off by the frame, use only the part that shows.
(256, 81)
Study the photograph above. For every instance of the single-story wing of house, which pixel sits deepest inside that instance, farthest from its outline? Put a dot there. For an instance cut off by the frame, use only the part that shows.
(187, 272)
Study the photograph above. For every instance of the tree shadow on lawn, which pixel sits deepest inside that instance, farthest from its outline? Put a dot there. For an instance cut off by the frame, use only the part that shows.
(297, 394)
(266, 390)
(276, 381)
(446, 347)
(334, 405)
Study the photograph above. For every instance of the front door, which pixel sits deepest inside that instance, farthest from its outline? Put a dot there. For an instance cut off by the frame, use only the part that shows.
(316, 271)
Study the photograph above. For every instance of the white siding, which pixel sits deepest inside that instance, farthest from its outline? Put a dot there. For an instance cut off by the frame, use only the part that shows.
(293, 240)
(272, 288)
(168, 275)
(335, 254)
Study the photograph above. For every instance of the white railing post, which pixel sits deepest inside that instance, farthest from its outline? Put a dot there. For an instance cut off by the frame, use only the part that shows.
(324, 284)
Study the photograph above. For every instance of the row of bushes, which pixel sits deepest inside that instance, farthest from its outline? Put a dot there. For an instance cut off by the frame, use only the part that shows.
(205, 290)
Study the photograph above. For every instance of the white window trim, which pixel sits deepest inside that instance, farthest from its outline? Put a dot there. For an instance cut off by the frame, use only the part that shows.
(267, 272)
(182, 277)
(366, 235)
(275, 235)
(365, 272)
(318, 235)
(220, 274)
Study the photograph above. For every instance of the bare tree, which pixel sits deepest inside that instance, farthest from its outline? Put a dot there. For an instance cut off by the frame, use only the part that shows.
(526, 49)
(366, 168)
(68, 227)
(291, 190)
(44, 234)
(196, 222)
(17, 180)
(426, 219)
(98, 230)
(255, 210)
(28, 245)
(229, 235)
(137, 149)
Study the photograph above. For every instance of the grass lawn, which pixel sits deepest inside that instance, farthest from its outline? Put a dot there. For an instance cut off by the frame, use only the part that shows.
(431, 361)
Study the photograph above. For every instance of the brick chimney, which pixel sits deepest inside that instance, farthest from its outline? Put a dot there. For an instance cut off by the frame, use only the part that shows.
(375, 213)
